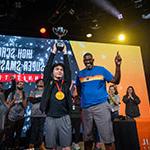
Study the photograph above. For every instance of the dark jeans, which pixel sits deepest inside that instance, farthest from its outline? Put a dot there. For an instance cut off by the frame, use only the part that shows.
(76, 122)
(13, 133)
(37, 126)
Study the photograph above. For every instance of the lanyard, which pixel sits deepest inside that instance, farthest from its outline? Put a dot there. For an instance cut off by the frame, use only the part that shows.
(59, 87)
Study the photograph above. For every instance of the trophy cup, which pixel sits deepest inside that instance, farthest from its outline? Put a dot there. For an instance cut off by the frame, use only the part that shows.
(60, 32)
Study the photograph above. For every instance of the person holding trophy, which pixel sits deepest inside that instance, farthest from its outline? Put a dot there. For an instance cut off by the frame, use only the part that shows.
(56, 102)
(59, 32)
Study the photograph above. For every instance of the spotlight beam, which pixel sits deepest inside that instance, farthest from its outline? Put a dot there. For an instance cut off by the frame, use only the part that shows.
(108, 7)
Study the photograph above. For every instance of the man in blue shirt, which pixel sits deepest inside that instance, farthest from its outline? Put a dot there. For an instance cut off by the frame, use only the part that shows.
(91, 85)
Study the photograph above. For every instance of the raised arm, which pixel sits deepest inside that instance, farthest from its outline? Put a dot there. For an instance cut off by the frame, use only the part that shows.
(78, 85)
(115, 100)
(67, 70)
(48, 67)
(10, 99)
(117, 76)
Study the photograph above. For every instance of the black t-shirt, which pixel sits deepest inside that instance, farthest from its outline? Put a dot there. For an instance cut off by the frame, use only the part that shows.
(57, 108)
(49, 104)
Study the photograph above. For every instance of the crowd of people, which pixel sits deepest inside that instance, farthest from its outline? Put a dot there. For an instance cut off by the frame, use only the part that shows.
(60, 107)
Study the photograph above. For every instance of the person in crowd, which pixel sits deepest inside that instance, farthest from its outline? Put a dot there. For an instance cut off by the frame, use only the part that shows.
(56, 102)
(6, 92)
(131, 101)
(114, 101)
(37, 117)
(17, 102)
(3, 105)
(91, 85)
(75, 118)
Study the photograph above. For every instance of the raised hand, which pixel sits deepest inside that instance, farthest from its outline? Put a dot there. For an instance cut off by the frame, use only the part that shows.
(118, 59)
(129, 96)
(64, 49)
(54, 49)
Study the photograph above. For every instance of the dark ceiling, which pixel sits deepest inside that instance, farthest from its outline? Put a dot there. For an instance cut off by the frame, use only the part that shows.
(25, 17)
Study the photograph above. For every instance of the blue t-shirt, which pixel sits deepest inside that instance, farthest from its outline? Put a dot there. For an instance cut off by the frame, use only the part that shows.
(93, 85)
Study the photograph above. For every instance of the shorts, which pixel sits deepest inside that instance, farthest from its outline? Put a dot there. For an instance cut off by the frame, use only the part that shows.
(101, 114)
(58, 132)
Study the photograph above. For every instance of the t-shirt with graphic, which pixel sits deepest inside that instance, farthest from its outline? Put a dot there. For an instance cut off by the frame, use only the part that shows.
(92, 84)
(35, 110)
(16, 112)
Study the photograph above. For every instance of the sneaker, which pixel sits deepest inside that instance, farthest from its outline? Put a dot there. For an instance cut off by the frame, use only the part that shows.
(75, 146)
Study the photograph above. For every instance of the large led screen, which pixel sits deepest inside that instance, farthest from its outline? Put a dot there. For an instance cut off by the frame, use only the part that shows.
(26, 57)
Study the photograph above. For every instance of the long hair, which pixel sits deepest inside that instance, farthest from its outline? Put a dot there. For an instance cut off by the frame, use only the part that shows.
(115, 88)
(133, 91)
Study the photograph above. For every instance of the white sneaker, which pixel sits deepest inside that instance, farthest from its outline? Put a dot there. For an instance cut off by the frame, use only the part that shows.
(75, 146)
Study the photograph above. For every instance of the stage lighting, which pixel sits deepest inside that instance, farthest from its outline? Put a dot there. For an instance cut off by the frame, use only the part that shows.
(72, 11)
(18, 4)
(88, 35)
(120, 16)
(121, 37)
(108, 7)
(43, 30)
(138, 4)
(95, 24)
(146, 16)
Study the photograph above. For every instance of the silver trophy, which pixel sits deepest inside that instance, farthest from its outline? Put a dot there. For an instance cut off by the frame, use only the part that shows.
(60, 32)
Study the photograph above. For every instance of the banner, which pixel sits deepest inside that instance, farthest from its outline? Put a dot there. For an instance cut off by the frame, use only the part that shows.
(25, 58)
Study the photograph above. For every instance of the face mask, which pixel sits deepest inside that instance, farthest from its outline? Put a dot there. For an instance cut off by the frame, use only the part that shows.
(20, 88)
(40, 86)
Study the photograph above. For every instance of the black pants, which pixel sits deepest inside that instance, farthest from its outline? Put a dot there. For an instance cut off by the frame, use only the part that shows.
(76, 122)
(13, 133)
(37, 125)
